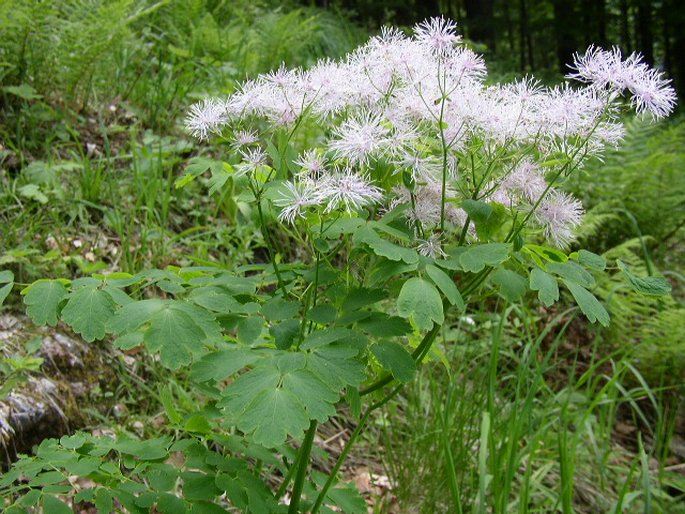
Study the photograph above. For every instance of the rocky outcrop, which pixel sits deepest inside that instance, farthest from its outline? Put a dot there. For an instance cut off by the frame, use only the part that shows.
(44, 400)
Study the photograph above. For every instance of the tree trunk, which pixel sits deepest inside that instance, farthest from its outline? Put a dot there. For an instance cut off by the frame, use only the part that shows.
(564, 17)
(480, 20)
(601, 23)
(677, 17)
(625, 27)
(645, 37)
(526, 47)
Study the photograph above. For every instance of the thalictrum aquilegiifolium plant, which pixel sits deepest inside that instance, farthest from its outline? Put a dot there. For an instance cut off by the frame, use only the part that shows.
(408, 185)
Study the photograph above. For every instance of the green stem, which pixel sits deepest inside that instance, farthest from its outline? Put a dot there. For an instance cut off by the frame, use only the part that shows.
(267, 238)
(341, 459)
(348, 446)
(288, 477)
(302, 465)
(418, 354)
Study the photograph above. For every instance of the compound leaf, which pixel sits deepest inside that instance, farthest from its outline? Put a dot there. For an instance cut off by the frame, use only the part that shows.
(592, 260)
(385, 248)
(572, 272)
(133, 315)
(337, 365)
(317, 398)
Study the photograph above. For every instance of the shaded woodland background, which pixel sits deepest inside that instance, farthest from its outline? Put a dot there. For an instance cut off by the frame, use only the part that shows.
(527, 35)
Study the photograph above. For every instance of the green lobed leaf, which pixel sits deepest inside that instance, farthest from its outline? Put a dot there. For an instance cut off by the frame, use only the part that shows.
(544, 254)
(651, 286)
(322, 314)
(170, 504)
(342, 226)
(103, 500)
(162, 477)
(199, 486)
(43, 299)
(381, 325)
(361, 297)
(317, 398)
(478, 211)
(347, 499)
(385, 248)
(272, 416)
(55, 506)
(148, 449)
(133, 315)
(387, 269)
(512, 285)
(589, 305)
(546, 286)
(249, 329)
(395, 358)
(88, 311)
(475, 258)
(337, 365)
(331, 335)
(446, 285)
(5, 291)
(572, 272)
(239, 394)
(278, 309)
(420, 302)
(175, 335)
(215, 298)
(285, 333)
(592, 260)
(487, 217)
(6, 276)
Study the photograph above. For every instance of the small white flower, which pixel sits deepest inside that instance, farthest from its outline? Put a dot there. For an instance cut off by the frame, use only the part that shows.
(651, 92)
(525, 181)
(438, 33)
(348, 190)
(360, 138)
(312, 162)
(206, 116)
(295, 200)
(253, 158)
(559, 214)
(242, 138)
(431, 247)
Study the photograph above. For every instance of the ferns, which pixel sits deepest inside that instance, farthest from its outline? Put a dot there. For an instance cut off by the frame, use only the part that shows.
(636, 203)
(661, 353)
(645, 178)
(65, 48)
(77, 51)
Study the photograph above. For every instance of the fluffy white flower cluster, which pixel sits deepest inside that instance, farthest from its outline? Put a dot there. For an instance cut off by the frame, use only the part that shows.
(340, 189)
(419, 105)
(606, 70)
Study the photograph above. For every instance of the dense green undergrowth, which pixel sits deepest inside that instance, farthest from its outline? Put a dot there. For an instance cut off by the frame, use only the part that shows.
(521, 409)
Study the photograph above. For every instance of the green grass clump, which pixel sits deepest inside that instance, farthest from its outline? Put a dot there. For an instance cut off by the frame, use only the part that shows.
(522, 422)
